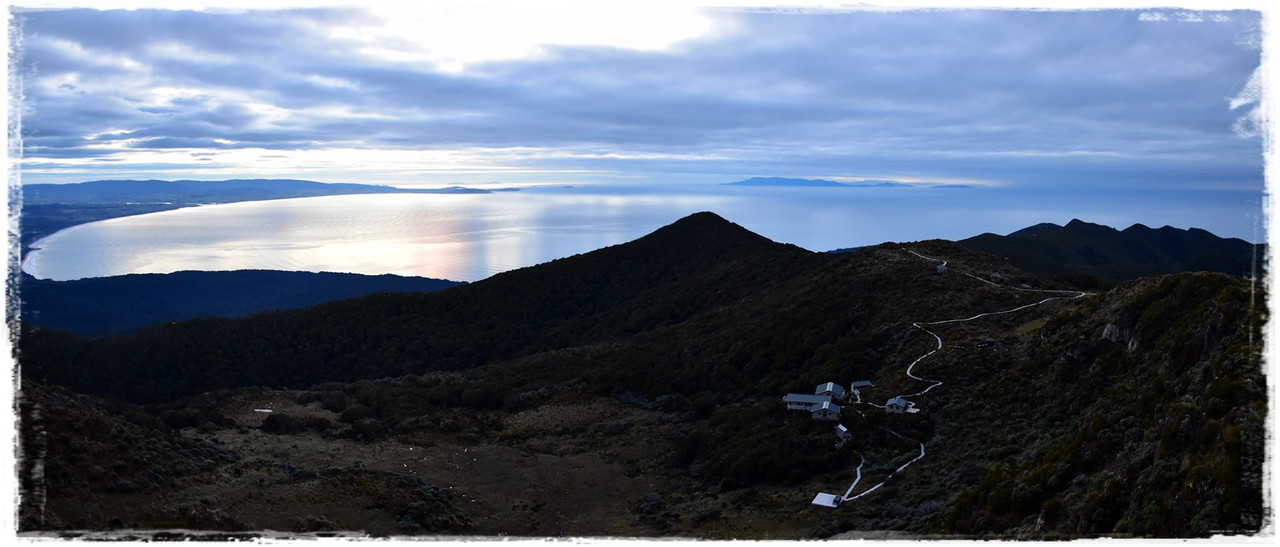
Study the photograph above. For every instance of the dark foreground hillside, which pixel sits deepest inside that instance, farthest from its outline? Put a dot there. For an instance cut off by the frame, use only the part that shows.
(636, 391)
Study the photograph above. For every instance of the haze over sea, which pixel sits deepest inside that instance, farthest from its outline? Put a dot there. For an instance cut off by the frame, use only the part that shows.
(468, 237)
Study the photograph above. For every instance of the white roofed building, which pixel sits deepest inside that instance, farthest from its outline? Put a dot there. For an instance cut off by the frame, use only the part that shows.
(843, 433)
(836, 391)
(821, 405)
(827, 411)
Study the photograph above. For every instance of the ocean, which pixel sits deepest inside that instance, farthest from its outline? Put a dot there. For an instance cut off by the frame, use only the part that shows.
(468, 237)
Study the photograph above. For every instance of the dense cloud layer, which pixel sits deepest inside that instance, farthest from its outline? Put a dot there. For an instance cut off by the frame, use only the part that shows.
(1112, 98)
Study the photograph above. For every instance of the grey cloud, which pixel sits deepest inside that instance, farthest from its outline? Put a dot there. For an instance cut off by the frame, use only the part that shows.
(161, 143)
(1007, 93)
(133, 32)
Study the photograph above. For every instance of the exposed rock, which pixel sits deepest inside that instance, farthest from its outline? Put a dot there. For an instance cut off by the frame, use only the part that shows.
(1115, 334)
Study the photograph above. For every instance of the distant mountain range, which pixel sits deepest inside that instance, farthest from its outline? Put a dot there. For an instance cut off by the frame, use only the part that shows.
(1093, 255)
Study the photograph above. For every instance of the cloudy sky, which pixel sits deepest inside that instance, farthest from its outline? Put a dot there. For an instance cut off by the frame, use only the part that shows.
(1136, 99)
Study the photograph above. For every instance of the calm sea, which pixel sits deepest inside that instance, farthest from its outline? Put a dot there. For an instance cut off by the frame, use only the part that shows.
(468, 237)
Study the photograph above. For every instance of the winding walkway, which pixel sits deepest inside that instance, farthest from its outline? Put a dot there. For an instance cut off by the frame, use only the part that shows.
(935, 383)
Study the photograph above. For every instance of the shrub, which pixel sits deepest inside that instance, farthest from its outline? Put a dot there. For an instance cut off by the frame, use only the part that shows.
(284, 423)
(368, 429)
(357, 413)
(430, 511)
(333, 401)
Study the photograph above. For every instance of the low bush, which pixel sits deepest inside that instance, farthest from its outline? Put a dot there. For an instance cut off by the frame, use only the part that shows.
(284, 423)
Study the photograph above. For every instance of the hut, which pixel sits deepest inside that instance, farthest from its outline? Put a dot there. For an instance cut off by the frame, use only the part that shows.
(827, 411)
(834, 390)
(898, 405)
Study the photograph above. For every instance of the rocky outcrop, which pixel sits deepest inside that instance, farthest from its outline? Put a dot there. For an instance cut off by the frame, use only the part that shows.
(1120, 335)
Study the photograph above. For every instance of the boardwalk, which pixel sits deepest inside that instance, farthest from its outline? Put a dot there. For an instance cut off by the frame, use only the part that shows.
(830, 500)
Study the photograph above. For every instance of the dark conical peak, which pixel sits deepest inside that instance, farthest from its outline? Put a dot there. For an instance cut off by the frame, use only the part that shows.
(708, 232)
(705, 220)
(704, 216)
(704, 225)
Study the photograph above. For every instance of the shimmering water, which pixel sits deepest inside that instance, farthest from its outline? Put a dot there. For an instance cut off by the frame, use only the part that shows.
(461, 237)
(472, 236)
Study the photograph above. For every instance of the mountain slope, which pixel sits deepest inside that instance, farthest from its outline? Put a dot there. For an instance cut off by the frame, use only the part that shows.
(657, 367)
(1094, 255)
(120, 304)
(1140, 412)
(698, 262)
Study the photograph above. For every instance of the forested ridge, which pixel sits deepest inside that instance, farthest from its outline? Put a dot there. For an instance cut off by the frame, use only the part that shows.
(1138, 411)
(663, 278)
(1097, 256)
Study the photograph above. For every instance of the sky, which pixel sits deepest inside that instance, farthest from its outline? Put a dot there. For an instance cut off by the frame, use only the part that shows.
(1139, 99)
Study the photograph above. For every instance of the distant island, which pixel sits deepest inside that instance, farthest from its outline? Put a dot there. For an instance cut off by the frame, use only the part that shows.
(822, 183)
(781, 181)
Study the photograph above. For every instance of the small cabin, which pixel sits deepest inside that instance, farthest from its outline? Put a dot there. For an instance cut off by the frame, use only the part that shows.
(843, 433)
(942, 268)
(827, 411)
(989, 343)
(898, 405)
(832, 389)
(861, 384)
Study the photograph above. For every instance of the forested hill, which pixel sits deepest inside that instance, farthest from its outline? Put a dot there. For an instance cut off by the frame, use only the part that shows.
(119, 304)
(695, 264)
(1093, 255)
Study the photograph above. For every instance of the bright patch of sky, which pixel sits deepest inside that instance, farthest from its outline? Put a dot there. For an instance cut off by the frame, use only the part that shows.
(455, 36)
(1140, 99)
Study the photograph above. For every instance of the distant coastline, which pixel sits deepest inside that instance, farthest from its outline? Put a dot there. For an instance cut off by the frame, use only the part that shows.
(50, 208)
